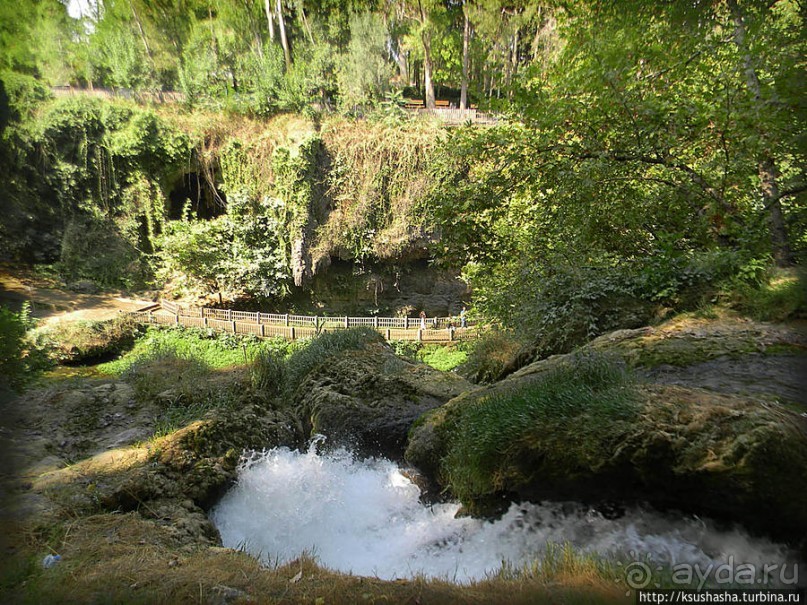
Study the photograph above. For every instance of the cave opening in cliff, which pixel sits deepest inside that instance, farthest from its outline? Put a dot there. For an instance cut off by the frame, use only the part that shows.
(206, 201)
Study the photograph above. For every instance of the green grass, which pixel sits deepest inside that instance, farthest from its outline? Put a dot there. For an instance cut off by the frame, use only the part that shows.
(441, 357)
(187, 371)
(783, 296)
(444, 358)
(564, 419)
(212, 350)
(305, 359)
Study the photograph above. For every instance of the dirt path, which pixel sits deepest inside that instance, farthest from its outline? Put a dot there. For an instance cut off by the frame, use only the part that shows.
(52, 303)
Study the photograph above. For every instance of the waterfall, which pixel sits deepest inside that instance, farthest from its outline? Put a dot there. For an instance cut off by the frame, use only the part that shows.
(365, 517)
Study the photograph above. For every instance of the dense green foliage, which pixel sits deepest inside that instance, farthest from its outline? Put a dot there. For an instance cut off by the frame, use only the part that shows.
(20, 358)
(84, 187)
(265, 56)
(654, 158)
(566, 415)
(650, 157)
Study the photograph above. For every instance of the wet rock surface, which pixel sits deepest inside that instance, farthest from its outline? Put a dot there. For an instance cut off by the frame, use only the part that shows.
(368, 399)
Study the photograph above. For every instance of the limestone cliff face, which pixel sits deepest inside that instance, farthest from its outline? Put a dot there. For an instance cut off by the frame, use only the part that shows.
(301, 266)
(394, 289)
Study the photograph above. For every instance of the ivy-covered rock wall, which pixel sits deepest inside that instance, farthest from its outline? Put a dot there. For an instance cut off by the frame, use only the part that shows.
(201, 203)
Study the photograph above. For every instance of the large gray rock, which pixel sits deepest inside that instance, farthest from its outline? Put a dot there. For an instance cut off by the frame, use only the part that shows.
(368, 399)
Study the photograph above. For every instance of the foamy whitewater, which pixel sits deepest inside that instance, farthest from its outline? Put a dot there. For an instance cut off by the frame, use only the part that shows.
(365, 517)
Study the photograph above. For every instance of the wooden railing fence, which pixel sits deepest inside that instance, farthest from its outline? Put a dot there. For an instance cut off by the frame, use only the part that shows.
(293, 327)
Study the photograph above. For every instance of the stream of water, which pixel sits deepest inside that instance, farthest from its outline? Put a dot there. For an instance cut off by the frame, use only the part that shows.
(365, 517)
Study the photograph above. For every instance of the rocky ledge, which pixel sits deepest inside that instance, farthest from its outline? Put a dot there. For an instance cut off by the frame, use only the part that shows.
(367, 399)
(718, 427)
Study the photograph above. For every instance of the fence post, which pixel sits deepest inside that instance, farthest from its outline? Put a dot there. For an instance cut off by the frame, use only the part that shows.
(388, 334)
(450, 333)
(420, 335)
(232, 323)
(229, 314)
(375, 322)
(406, 322)
(259, 317)
(176, 319)
(291, 333)
(263, 330)
(204, 322)
(347, 321)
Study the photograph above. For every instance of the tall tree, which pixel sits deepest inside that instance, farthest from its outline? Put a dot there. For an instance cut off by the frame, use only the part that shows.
(284, 41)
(767, 165)
(466, 54)
(422, 14)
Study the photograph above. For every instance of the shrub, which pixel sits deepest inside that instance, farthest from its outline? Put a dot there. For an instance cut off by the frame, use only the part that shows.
(25, 93)
(302, 361)
(489, 356)
(20, 358)
(561, 421)
(558, 306)
(773, 296)
(267, 372)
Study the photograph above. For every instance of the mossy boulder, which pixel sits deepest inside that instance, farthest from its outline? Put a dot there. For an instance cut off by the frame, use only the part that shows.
(735, 453)
(83, 342)
(194, 464)
(368, 398)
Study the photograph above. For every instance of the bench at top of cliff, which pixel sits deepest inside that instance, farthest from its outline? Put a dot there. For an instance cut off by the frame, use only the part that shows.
(450, 114)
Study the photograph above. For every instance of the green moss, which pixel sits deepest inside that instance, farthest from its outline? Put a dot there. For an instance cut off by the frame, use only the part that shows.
(560, 425)
(783, 348)
(683, 351)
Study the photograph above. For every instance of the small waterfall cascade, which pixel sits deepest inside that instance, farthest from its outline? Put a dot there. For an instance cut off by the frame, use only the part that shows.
(365, 517)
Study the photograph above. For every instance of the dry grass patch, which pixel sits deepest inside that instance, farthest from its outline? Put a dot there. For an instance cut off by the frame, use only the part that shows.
(123, 558)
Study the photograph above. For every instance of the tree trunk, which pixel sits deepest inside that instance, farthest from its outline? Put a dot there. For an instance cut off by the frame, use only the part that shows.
(769, 175)
(403, 67)
(142, 33)
(267, 6)
(428, 85)
(767, 169)
(304, 21)
(283, 40)
(466, 43)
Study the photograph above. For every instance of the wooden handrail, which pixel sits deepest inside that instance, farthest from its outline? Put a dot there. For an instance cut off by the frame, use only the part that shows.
(293, 327)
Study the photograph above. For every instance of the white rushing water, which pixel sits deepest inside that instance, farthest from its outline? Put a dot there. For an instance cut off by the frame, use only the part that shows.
(365, 517)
